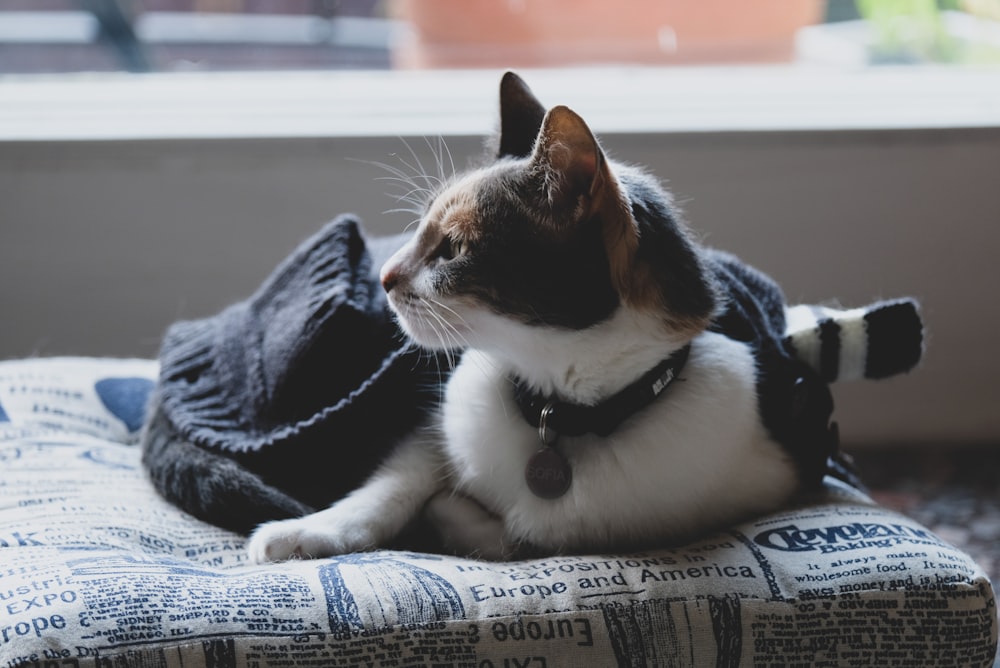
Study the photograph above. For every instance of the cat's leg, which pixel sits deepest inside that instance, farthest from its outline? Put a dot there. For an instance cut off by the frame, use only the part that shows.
(467, 528)
(367, 518)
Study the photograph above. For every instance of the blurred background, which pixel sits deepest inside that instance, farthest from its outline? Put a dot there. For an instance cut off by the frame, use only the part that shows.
(171, 35)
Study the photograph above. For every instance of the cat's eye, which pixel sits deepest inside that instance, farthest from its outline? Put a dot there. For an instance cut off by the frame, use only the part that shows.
(451, 248)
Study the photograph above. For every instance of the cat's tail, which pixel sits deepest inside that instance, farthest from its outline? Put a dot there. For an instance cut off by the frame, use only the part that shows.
(875, 341)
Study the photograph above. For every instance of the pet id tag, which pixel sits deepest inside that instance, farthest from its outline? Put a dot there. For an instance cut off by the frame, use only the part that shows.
(548, 474)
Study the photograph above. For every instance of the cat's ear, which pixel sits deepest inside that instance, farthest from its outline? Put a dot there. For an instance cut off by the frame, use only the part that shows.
(580, 184)
(568, 157)
(521, 116)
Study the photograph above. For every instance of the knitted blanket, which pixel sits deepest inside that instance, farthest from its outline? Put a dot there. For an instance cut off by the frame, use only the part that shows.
(308, 382)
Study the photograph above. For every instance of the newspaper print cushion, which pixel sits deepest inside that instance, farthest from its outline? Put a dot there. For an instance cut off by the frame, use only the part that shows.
(96, 569)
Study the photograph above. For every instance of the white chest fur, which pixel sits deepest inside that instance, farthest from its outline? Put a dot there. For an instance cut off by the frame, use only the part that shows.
(696, 458)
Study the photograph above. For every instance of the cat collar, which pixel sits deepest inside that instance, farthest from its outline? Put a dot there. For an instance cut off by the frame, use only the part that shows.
(553, 417)
(548, 474)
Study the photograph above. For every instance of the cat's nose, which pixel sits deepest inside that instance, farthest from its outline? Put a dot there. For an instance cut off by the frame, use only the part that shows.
(389, 278)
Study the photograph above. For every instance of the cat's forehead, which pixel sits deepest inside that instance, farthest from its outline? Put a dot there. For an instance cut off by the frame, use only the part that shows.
(457, 210)
(453, 209)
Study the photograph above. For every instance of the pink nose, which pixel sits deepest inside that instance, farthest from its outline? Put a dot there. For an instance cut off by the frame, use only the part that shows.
(389, 278)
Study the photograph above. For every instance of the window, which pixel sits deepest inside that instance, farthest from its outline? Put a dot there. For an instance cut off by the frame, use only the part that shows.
(46, 36)
(251, 68)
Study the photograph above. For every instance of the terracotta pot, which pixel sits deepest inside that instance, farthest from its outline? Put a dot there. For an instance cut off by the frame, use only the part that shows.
(525, 33)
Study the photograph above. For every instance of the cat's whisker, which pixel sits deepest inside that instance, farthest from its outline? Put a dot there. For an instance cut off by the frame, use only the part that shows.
(412, 195)
(433, 360)
(392, 169)
(415, 207)
(476, 361)
(421, 187)
(436, 156)
(449, 309)
(399, 176)
(458, 337)
(447, 335)
(402, 210)
(457, 342)
(442, 373)
(419, 168)
(429, 305)
(406, 343)
(400, 179)
(432, 324)
(439, 152)
(422, 354)
(416, 194)
(455, 335)
(447, 151)
(396, 172)
(430, 359)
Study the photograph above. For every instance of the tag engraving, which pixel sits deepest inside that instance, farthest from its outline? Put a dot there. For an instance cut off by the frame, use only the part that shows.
(548, 474)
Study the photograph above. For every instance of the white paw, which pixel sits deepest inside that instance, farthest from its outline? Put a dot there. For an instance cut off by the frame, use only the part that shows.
(305, 538)
(467, 528)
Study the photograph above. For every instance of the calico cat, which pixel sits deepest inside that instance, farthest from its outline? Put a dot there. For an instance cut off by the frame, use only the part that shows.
(620, 386)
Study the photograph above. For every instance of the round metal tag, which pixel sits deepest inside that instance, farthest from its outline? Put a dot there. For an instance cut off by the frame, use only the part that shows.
(548, 474)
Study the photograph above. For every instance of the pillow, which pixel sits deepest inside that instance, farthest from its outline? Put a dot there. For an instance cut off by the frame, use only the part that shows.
(96, 569)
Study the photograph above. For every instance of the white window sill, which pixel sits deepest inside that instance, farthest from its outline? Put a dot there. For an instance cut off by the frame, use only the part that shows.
(450, 103)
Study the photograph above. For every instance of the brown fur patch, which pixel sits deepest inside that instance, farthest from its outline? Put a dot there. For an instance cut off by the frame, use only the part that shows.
(634, 282)
(633, 279)
(454, 211)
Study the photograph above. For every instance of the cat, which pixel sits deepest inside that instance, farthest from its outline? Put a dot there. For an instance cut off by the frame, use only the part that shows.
(619, 385)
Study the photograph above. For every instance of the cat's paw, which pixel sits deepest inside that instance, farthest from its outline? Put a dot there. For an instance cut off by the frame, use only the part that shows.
(276, 541)
(302, 539)
(467, 528)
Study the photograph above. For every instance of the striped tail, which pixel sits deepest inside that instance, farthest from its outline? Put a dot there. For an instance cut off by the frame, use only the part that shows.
(874, 341)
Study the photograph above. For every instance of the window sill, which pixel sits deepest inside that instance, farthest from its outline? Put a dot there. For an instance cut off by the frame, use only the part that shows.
(453, 103)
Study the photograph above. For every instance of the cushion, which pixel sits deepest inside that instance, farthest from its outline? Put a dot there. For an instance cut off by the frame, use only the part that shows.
(96, 569)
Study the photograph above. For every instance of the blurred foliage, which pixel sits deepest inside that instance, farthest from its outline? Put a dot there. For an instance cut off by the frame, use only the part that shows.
(914, 31)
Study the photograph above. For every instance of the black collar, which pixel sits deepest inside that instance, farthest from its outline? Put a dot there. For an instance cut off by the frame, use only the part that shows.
(554, 417)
